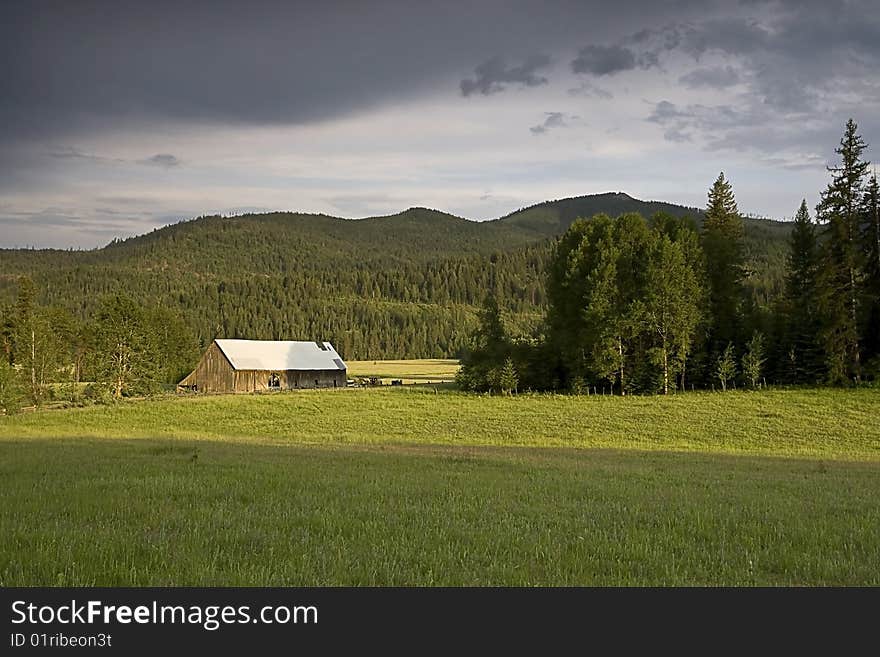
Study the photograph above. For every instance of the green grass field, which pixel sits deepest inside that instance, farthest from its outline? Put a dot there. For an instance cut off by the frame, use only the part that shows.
(412, 486)
(409, 371)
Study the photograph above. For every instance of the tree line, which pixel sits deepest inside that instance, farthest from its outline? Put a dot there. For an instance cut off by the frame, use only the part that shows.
(647, 306)
(623, 304)
(125, 349)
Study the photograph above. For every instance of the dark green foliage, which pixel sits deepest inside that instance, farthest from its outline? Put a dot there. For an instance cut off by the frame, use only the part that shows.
(403, 286)
(127, 349)
(722, 242)
(38, 341)
(490, 346)
(839, 283)
(176, 347)
(508, 379)
(629, 306)
(11, 392)
(800, 357)
(136, 349)
(584, 302)
(624, 302)
(871, 241)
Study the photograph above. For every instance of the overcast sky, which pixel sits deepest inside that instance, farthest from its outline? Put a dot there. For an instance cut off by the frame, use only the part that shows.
(119, 117)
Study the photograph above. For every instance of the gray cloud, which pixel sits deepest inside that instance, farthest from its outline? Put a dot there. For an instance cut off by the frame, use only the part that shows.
(589, 90)
(86, 67)
(714, 77)
(713, 120)
(494, 75)
(797, 144)
(91, 66)
(797, 53)
(676, 135)
(802, 69)
(164, 160)
(551, 120)
(604, 60)
(70, 153)
(106, 75)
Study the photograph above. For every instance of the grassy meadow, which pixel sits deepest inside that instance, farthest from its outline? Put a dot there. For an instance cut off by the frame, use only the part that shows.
(437, 370)
(424, 486)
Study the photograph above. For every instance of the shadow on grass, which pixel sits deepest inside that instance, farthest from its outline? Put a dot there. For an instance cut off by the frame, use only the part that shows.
(165, 512)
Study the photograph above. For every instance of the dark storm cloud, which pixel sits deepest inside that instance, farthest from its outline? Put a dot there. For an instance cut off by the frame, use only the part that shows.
(714, 77)
(80, 77)
(90, 67)
(494, 75)
(604, 60)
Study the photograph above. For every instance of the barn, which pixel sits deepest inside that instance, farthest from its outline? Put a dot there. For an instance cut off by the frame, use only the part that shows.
(259, 365)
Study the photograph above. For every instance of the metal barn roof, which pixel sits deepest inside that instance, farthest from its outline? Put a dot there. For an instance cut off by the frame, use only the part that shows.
(280, 355)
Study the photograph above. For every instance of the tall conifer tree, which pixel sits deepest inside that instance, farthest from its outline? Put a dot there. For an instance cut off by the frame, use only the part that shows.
(802, 357)
(840, 210)
(871, 241)
(722, 243)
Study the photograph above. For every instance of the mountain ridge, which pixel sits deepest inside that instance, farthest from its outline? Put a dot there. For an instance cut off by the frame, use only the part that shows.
(404, 285)
(544, 219)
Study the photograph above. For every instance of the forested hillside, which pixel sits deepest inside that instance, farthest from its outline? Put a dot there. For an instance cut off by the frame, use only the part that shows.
(402, 286)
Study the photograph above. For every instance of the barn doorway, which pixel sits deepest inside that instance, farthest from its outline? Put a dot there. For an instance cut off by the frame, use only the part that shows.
(274, 381)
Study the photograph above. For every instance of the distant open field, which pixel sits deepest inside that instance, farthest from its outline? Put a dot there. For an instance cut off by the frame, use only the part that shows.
(409, 371)
(412, 486)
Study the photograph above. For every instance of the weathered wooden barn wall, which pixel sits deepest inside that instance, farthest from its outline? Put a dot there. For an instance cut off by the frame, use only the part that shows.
(314, 379)
(257, 380)
(214, 373)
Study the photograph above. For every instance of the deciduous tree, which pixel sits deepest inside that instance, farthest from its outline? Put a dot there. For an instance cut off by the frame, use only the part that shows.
(753, 359)
(671, 305)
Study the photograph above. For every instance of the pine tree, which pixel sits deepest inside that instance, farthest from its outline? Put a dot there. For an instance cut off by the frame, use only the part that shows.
(800, 307)
(491, 336)
(871, 241)
(490, 345)
(10, 389)
(508, 379)
(722, 243)
(7, 333)
(840, 210)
